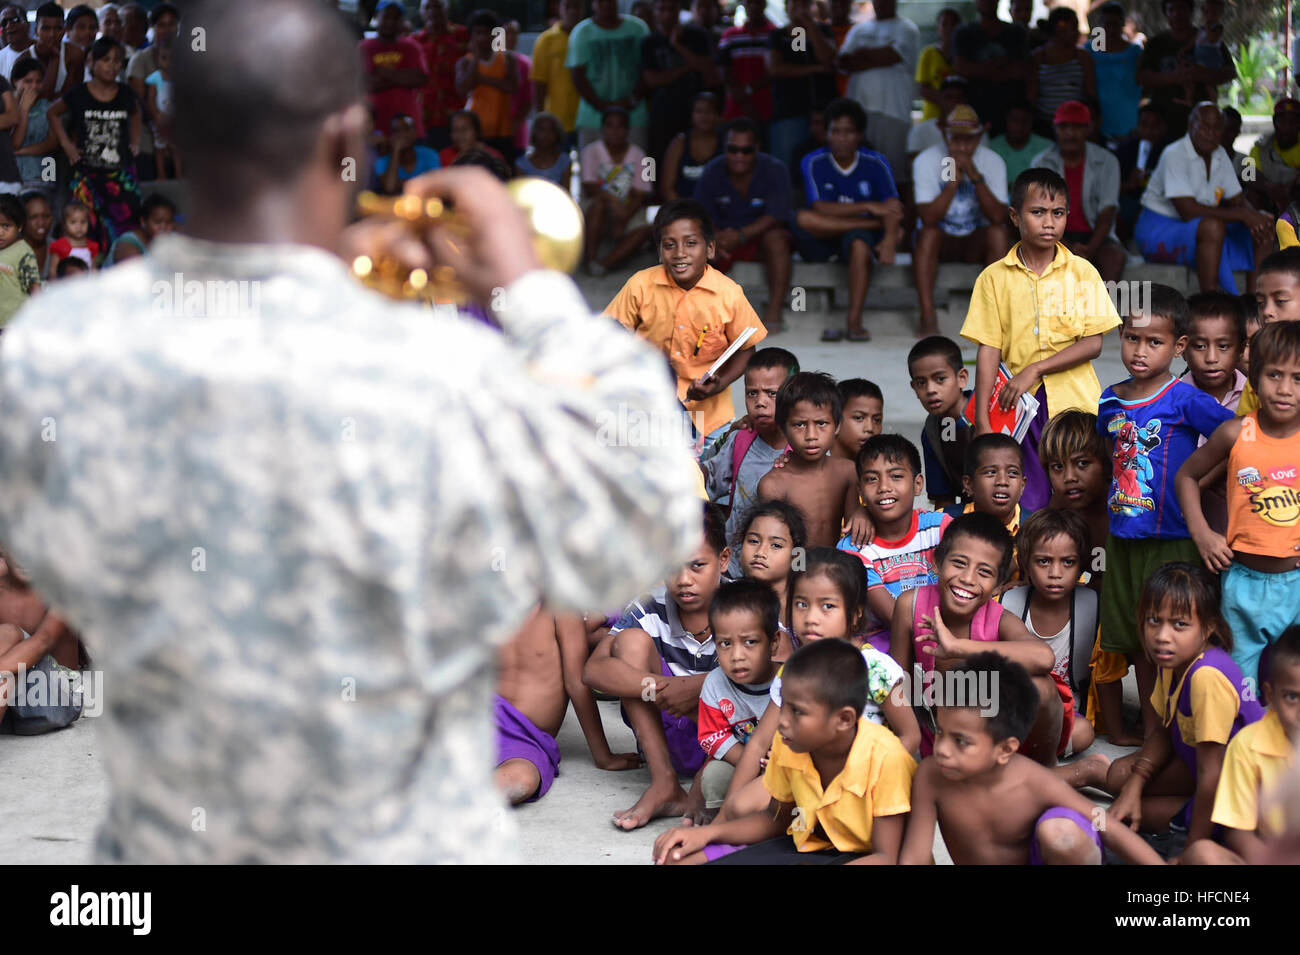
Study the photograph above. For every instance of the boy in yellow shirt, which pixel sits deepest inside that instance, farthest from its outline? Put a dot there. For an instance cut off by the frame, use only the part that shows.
(839, 783)
(1253, 766)
(691, 312)
(1041, 310)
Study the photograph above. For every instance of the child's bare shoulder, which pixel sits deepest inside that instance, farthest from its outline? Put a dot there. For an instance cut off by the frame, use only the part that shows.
(843, 469)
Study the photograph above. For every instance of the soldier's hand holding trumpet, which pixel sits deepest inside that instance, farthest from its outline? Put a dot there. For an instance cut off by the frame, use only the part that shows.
(459, 228)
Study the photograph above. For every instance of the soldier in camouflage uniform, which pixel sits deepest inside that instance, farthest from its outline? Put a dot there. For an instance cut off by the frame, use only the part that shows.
(292, 518)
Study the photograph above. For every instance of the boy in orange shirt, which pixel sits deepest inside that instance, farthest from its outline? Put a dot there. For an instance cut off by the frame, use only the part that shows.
(691, 312)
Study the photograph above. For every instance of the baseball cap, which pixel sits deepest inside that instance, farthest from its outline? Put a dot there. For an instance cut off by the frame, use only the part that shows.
(1072, 113)
(385, 4)
(964, 120)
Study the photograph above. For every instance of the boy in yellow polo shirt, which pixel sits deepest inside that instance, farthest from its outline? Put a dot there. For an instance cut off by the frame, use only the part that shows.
(691, 312)
(1041, 311)
(857, 816)
(1253, 766)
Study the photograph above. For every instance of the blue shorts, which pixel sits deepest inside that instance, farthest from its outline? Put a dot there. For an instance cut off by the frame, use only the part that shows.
(813, 249)
(1162, 239)
(1258, 607)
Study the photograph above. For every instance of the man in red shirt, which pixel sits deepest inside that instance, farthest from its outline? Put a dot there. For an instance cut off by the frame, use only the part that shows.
(742, 53)
(394, 69)
(443, 43)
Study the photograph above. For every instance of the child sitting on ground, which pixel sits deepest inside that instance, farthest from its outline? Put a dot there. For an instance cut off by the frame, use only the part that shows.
(29, 631)
(1260, 557)
(1077, 460)
(993, 479)
(1216, 335)
(1153, 421)
(838, 782)
(1200, 700)
(1053, 548)
(938, 380)
(735, 462)
(826, 603)
(19, 275)
(744, 615)
(1253, 766)
(900, 555)
(655, 659)
(771, 535)
(862, 416)
(539, 673)
(824, 488)
(994, 806)
(939, 625)
(74, 243)
(691, 312)
(1020, 316)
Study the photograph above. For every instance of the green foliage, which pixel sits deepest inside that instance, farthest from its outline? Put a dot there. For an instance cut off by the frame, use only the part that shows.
(1260, 62)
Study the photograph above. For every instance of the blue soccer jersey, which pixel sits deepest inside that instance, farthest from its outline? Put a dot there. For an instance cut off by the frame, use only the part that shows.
(869, 179)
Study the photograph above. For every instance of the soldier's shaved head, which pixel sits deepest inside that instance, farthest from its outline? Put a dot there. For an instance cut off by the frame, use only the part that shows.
(254, 89)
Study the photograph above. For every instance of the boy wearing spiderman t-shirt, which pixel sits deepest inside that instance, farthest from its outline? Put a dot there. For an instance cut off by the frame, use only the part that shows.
(1153, 422)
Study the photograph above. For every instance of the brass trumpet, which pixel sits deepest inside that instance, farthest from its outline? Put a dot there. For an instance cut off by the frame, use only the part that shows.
(553, 218)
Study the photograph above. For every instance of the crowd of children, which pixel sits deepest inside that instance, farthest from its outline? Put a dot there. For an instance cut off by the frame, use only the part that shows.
(840, 665)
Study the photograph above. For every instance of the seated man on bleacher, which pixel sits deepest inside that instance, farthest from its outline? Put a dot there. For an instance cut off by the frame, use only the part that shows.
(1091, 174)
(853, 209)
(961, 206)
(747, 195)
(1195, 214)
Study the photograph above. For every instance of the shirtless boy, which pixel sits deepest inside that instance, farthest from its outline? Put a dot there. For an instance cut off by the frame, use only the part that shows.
(995, 807)
(540, 673)
(823, 487)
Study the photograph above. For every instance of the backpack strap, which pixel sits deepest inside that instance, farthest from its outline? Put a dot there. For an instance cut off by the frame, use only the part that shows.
(739, 448)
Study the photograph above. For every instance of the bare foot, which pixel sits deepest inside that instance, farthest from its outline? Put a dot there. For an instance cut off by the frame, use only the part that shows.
(657, 801)
(1124, 737)
(929, 326)
(1088, 771)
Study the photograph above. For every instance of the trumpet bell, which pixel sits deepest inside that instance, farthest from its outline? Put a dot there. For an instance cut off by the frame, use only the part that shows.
(554, 220)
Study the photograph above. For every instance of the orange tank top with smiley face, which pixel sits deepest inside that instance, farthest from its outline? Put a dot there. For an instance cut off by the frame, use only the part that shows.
(1263, 492)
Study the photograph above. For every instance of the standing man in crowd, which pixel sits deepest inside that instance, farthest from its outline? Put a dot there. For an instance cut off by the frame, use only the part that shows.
(442, 43)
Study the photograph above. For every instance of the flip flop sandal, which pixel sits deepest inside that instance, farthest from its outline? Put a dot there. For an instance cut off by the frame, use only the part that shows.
(833, 335)
(859, 336)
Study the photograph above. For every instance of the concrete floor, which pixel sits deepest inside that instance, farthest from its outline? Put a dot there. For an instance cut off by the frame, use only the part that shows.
(53, 791)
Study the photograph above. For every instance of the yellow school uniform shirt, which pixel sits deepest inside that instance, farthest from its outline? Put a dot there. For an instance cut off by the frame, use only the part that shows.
(1252, 766)
(548, 67)
(1249, 401)
(1031, 317)
(692, 327)
(876, 781)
